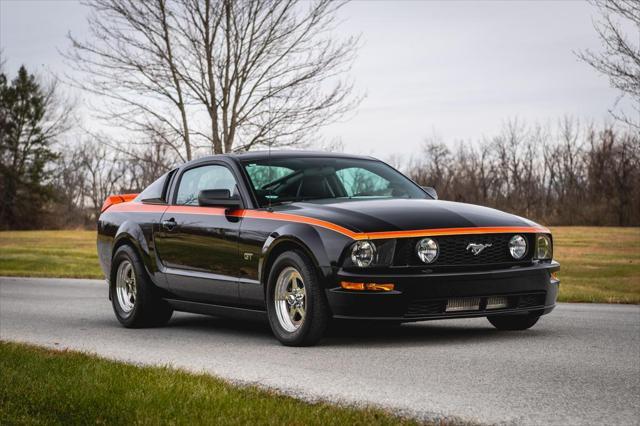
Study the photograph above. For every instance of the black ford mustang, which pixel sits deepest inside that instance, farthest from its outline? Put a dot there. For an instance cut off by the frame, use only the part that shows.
(304, 237)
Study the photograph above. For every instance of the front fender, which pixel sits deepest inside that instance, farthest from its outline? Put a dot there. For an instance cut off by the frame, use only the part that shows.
(310, 239)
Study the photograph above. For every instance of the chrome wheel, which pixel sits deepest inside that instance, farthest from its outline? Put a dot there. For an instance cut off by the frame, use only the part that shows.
(289, 298)
(126, 286)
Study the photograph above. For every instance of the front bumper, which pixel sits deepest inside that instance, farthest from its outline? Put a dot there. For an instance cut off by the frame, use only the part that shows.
(425, 296)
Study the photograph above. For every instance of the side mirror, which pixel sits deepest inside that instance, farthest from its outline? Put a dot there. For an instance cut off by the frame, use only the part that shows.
(431, 191)
(219, 198)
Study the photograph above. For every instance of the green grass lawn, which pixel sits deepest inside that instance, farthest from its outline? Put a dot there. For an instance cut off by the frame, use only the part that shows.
(68, 254)
(598, 264)
(39, 386)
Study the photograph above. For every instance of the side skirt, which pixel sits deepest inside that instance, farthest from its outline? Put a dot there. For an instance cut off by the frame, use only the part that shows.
(217, 310)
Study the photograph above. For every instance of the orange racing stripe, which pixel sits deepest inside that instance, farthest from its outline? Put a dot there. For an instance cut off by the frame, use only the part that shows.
(288, 217)
(457, 231)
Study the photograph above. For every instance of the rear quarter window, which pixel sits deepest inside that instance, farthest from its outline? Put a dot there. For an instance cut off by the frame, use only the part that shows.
(157, 191)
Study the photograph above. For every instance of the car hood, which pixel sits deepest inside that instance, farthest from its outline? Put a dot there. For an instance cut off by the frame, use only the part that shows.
(404, 215)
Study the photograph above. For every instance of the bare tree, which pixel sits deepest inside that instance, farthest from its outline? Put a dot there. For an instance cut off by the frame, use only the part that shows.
(620, 60)
(436, 167)
(144, 164)
(571, 175)
(103, 174)
(224, 75)
(69, 181)
(88, 171)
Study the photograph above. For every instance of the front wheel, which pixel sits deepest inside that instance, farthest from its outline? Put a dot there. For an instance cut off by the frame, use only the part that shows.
(514, 322)
(296, 303)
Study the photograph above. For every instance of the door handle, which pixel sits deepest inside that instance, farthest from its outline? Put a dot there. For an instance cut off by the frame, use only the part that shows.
(168, 225)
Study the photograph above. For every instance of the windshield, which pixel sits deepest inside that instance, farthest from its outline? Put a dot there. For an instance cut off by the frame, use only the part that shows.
(303, 179)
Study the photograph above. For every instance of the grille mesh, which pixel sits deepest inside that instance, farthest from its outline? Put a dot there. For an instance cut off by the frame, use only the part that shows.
(529, 300)
(453, 251)
(426, 307)
(419, 308)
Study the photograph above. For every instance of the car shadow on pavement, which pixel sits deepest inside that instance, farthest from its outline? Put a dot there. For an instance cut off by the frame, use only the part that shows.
(355, 333)
(220, 325)
(427, 333)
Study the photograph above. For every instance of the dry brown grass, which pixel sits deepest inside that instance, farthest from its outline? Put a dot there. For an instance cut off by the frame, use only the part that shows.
(599, 264)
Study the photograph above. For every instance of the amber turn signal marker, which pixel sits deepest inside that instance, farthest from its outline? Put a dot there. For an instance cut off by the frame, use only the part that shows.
(554, 275)
(379, 287)
(352, 286)
(366, 286)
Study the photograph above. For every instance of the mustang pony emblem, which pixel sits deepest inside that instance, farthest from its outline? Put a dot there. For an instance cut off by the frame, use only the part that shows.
(476, 249)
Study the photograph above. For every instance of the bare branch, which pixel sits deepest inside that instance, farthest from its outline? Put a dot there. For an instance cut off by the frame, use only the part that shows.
(222, 74)
(620, 58)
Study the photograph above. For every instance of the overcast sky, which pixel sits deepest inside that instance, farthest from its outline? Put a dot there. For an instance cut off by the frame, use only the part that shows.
(457, 69)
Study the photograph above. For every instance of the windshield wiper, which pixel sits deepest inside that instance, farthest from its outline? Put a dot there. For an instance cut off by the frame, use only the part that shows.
(279, 203)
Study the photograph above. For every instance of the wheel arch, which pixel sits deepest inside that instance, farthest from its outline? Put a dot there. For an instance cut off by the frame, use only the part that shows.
(131, 234)
(297, 237)
(124, 240)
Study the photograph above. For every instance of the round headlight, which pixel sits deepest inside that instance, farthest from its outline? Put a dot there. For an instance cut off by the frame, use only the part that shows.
(363, 253)
(544, 249)
(427, 250)
(518, 246)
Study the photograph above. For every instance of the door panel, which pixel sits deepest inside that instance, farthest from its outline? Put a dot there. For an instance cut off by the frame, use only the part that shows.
(200, 253)
(198, 246)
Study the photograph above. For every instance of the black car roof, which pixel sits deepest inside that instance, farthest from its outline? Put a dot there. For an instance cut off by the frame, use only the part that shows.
(263, 155)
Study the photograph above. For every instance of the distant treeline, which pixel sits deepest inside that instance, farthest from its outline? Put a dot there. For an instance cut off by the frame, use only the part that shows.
(570, 175)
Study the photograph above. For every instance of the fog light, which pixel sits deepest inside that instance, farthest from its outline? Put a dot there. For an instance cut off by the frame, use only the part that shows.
(347, 285)
(427, 250)
(517, 247)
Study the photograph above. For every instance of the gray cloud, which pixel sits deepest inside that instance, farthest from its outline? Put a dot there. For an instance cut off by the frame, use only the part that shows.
(459, 68)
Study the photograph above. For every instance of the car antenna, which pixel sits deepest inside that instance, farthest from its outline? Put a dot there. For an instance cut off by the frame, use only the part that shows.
(269, 208)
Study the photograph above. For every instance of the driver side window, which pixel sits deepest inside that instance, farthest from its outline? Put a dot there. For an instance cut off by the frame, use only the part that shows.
(204, 177)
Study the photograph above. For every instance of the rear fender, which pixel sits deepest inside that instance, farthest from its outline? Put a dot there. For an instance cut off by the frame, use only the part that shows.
(131, 233)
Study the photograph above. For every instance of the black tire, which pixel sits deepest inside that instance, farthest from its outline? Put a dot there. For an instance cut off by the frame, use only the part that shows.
(317, 314)
(514, 322)
(149, 309)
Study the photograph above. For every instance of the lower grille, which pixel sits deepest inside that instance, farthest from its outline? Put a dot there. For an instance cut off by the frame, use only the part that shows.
(497, 302)
(460, 304)
(530, 300)
(480, 304)
(420, 308)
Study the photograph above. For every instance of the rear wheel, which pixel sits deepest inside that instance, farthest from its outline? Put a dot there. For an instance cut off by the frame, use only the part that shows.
(514, 322)
(296, 304)
(134, 297)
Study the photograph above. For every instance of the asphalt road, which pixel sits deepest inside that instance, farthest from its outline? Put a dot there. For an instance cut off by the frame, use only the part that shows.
(578, 365)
